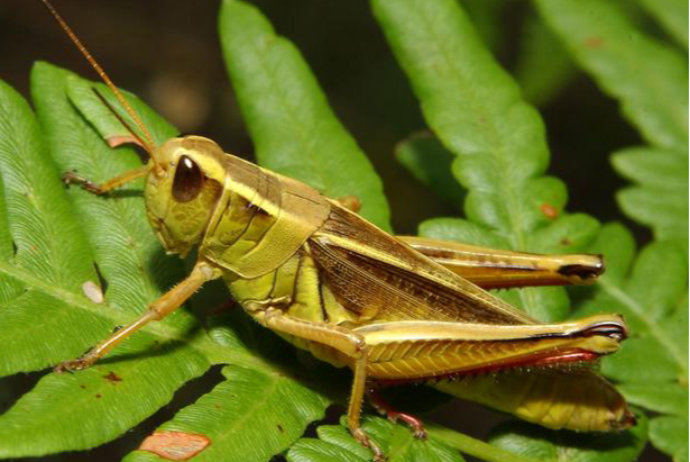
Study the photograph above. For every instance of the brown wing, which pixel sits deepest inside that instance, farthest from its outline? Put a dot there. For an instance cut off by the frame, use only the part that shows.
(379, 278)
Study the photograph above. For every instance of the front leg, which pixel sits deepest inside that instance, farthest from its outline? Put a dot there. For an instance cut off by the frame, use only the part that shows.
(345, 341)
(158, 310)
(72, 178)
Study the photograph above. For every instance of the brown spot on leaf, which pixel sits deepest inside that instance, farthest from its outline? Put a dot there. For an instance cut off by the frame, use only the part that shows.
(549, 211)
(98, 395)
(566, 241)
(594, 42)
(82, 386)
(280, 428)
(112, 377)
(175, 445)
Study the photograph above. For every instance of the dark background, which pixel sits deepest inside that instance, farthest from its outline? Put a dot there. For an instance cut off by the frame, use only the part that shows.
(168, 53)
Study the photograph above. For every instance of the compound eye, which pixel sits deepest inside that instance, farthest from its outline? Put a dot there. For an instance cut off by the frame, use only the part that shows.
(188, 181)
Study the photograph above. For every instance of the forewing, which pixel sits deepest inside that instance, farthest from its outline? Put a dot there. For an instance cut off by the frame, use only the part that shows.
(504, 269)
(379, 278)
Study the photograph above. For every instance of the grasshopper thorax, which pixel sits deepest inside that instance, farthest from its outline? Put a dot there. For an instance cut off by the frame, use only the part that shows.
(183, 189)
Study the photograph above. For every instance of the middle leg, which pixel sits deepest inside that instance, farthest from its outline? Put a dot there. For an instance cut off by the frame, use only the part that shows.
(346, 342)
(384, 407)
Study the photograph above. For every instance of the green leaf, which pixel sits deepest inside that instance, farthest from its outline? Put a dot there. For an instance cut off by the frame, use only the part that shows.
(652, 91)
(544, 66)
(651, 293)
(541, 444)
(396, 441)
(334, 443)
(295, 132)
(659, 198)
(257, 412)
(651, 299)
(429, 162)
(30, 245)
(476, 448)
(666, 398)
(673, 16)
(250, 403)
(477, 111)
(670, 434)
(11, 115)
(486, 17)
(653, 95)
(52, 319)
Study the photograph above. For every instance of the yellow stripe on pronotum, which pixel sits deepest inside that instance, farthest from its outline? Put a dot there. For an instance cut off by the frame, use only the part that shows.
(393, 309)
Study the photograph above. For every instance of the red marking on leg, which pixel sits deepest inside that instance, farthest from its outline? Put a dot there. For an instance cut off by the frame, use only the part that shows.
(573, 357)
(414, 423)
(381, 405)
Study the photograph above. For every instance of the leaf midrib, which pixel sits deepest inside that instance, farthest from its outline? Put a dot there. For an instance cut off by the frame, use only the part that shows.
(617, 49)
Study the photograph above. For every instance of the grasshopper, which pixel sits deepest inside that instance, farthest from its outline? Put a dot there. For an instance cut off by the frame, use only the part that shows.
(391, 308)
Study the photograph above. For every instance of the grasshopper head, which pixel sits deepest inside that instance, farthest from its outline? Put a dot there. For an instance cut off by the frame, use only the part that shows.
(185, 175)
(183, 189)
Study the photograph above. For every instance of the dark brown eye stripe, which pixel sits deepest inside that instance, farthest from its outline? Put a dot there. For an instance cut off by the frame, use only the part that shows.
(188, 181)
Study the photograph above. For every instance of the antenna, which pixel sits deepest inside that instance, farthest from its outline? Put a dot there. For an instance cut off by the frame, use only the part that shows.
(147, 142)
(120, 119)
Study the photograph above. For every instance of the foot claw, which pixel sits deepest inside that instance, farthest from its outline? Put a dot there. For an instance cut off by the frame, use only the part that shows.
(420, 433)
(71, 366)
(391, 414)
(365, 441)
(71, 178)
